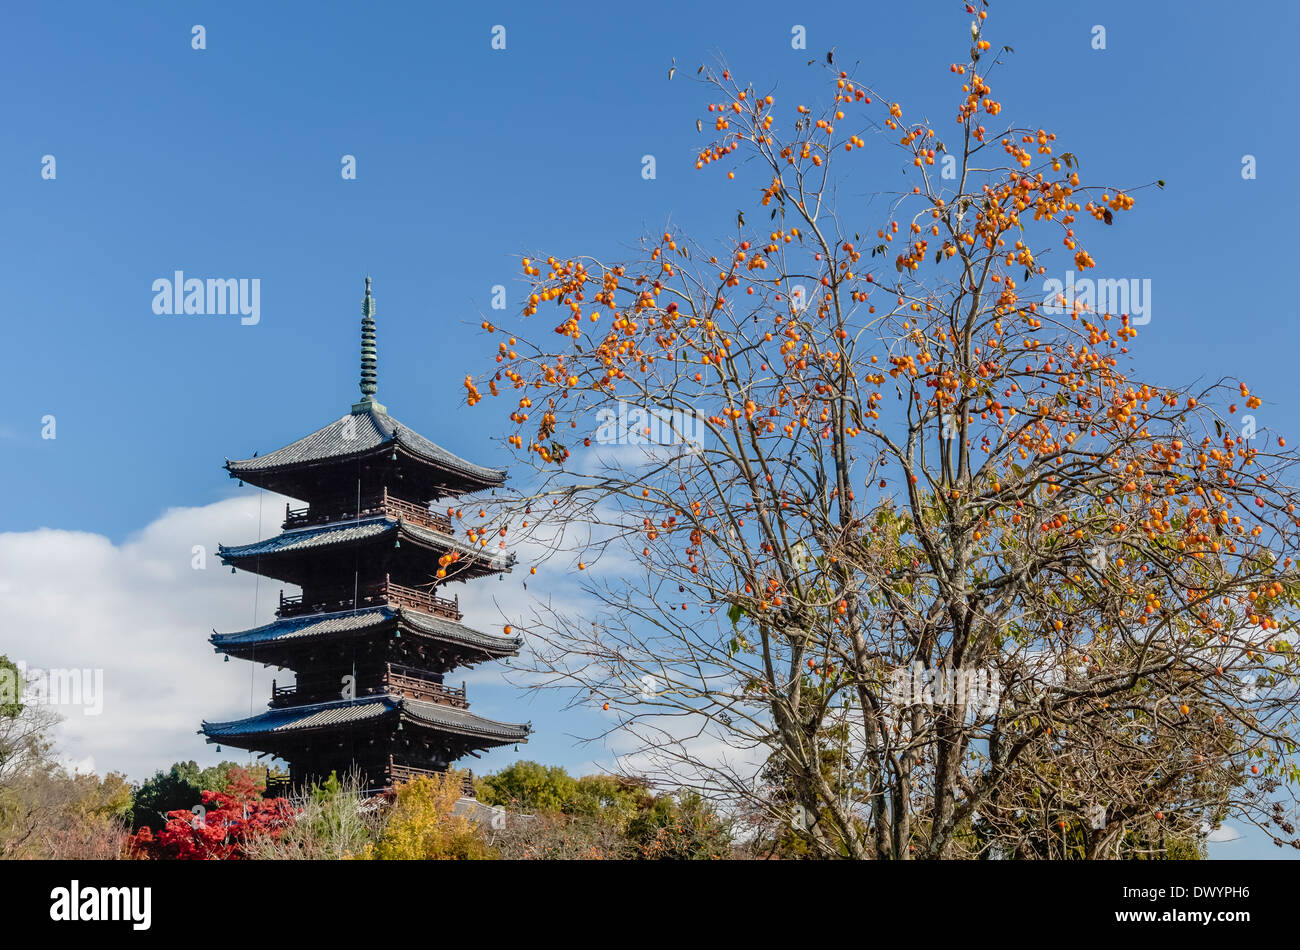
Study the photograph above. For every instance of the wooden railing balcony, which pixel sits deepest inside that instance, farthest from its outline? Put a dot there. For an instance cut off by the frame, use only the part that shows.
(372, 595)
(277, 786)
(427, 601)
(403, 682)
(409, 683)
(349, 510)
(282, 695)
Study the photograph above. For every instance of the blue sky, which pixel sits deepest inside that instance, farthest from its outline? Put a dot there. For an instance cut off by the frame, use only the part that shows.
(225, 162)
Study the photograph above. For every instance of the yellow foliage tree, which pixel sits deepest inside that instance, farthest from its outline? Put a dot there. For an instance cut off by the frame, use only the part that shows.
(423, 824)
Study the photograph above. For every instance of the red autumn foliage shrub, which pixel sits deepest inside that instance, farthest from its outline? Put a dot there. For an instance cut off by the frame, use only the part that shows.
(219, 831)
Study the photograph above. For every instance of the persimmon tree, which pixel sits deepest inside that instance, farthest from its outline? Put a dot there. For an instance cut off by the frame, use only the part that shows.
(819, 450)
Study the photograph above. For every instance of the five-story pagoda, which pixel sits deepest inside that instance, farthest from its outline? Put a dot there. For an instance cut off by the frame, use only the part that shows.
(373, 633)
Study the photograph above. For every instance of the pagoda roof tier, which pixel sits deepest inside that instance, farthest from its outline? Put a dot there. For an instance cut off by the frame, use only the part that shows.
(295, 555)
(368, 432)
(283, 636)
(261, 732)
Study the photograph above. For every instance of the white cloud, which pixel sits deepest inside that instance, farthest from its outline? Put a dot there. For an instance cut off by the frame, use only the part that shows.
(142, 614)
(1223, 834)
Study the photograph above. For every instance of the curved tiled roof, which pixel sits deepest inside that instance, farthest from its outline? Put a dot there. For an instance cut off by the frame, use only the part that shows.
(350, 531)
(319, 536)
(323, 625)
(455, 719)
(349, 711)
(294, 718)
(306, 628)
(358, 433)
(450, 630)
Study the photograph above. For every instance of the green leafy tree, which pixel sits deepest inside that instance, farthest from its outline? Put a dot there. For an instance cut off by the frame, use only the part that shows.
(681, 827)
(530, 786)
(179, 788)
(615, 796)
(11, 689)
(603, 816)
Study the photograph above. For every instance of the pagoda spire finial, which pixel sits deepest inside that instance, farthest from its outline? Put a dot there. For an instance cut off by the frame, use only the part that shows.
(369, 361)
